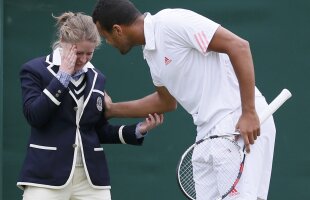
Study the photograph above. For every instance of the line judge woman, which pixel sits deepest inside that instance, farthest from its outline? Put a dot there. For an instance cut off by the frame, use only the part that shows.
(63, 96)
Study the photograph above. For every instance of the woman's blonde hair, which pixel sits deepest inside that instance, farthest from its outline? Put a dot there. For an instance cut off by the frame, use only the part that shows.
(76, 27)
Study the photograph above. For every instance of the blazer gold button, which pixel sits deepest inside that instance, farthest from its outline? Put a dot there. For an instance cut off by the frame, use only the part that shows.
(75, 108)
(57, 95)
(59, 91)
(74, 145)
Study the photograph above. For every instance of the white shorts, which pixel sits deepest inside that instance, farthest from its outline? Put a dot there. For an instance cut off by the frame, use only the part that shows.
(255, 179)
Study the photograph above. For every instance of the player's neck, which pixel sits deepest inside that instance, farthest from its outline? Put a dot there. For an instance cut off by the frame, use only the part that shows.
(137, 31)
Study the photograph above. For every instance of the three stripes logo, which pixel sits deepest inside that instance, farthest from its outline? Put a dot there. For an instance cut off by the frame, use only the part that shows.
(202, 41)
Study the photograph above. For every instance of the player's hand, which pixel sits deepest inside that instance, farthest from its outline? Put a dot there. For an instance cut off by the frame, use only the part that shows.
(68, 57)
(150, 122)
(107, 105)
(249, 128)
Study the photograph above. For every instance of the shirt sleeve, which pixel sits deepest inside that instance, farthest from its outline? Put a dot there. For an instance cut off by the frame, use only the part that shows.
(64, 78)
(201, 35)
(138, 134)
(195, 31)
(155, 77)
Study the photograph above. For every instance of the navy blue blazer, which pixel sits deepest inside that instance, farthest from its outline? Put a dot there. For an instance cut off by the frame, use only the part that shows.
(50, 109)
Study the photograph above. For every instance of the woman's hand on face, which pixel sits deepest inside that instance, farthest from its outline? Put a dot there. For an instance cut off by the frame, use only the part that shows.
(68, 58)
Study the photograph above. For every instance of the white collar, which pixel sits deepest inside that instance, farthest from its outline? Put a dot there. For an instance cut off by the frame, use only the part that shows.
(149, 32)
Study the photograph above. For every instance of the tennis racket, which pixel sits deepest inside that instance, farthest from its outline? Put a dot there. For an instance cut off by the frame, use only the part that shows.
(234, 155)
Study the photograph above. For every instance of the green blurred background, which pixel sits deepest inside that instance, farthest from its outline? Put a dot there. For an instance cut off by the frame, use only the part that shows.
(278, 32)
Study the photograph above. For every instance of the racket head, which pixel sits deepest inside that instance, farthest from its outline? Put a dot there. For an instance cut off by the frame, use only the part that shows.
(230, 175)
(184, 173)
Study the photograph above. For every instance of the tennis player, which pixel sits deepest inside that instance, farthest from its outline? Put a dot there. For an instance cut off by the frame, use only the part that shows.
(206, 69)
(63, 101)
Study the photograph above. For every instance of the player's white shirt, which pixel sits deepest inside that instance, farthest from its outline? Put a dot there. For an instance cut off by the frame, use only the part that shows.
(203, 82)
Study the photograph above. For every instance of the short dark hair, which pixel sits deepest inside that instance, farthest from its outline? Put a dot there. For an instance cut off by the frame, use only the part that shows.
(110, 12)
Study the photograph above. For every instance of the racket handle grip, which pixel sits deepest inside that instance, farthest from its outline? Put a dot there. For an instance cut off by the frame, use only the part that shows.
(274, 105)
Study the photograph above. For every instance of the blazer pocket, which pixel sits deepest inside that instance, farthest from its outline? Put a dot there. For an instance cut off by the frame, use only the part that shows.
(42, 147)
(98, 149)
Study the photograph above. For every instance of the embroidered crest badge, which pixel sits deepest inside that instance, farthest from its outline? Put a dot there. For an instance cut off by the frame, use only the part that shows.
(99, 104)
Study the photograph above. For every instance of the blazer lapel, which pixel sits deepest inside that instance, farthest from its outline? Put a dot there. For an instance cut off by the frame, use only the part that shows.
(91, 77)
(54, 61)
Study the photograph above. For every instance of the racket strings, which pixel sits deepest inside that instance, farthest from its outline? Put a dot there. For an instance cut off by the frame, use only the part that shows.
(214, 176)
(186, 178)
(228, 162)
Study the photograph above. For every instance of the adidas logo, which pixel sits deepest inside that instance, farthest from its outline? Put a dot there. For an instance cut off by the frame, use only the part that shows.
(167, 61)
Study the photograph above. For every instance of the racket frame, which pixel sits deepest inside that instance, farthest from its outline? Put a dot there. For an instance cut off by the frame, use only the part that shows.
(284, 95)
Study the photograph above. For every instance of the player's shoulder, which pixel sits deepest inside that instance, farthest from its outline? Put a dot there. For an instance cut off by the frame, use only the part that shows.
(174, 14)
(175, 19)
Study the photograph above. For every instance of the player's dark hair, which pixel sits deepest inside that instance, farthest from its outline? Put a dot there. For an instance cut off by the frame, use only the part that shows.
(111, 12)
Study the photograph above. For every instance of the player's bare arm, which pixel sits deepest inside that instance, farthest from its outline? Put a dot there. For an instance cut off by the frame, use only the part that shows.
(240, 55)
(160, 101)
